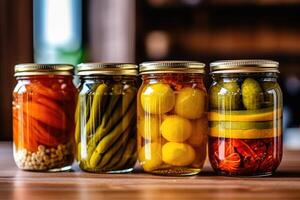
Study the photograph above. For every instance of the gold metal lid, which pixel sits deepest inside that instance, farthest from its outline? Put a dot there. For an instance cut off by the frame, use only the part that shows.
(129, 69)
(244, 66)
(171, 67)
(31, 69)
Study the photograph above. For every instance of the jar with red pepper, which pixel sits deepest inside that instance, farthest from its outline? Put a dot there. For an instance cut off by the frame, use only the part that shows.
(172, 118)
(44, 102)
(245, 118)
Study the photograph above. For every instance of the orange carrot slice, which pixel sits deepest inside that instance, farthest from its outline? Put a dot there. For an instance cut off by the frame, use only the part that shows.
(42, 135)
(48, 103)
(48, 92)
(23, 138)
(50, 117)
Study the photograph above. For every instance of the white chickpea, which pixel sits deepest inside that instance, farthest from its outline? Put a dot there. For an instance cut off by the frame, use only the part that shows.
(44, 158)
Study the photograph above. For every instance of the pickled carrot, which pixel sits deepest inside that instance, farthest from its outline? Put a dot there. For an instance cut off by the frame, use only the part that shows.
(50, 117)
(48, 103)
(48, 92)
(42, 135)
(23, 137)
(43, 114)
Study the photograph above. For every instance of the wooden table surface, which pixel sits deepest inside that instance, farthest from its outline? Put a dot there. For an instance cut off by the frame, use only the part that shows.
(17, 184)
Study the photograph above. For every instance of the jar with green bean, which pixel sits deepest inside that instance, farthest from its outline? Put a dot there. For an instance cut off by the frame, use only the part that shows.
(106, 117)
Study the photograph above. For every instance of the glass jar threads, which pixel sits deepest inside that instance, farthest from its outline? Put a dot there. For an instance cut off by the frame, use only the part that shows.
(44, 102)
(245, 118)
(106, 117)
(172, 118)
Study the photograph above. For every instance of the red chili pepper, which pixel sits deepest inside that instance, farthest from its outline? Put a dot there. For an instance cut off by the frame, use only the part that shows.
(244, 149)
(259, 148)
(174, 83)
(245, 156)
(229, 148)
(230, 163)
(267, 164)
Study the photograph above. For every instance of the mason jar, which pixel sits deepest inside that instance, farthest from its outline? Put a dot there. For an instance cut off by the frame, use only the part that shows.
(172, 119)
(106, 117)
(44, 102)
(245, 118)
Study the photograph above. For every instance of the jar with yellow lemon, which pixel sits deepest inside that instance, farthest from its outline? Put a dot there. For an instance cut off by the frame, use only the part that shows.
(172, 119)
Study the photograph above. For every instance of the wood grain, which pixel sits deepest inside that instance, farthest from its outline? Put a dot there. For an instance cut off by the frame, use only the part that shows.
(17, 184)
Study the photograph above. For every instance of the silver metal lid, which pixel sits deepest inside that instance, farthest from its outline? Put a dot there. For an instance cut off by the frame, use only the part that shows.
(85, 69)
(246, 66)
(171, 67)
(31, 69)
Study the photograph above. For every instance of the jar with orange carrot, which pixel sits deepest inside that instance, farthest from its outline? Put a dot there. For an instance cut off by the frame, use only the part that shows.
(44, 101)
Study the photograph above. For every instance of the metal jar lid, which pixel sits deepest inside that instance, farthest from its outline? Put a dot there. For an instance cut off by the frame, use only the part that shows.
(244, 66)
(171, 67)
(32, 69)
(86, 69)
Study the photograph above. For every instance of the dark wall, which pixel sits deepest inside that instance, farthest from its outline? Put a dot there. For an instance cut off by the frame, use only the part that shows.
(15, 47)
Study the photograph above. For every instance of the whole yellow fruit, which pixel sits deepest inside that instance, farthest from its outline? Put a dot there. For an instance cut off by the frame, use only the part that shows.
(199, 132)
(190, 103)
(178, 154)
(157, 98)
(150, 156)
(176, 129)
(148, 127)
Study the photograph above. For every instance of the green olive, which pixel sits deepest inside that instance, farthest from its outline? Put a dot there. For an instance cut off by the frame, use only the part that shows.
(225, 96)
(271, 90)
(252, 93)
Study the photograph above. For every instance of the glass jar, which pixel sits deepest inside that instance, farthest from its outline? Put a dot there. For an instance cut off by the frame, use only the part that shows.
(245, 118)
(44, 102)
(172, 118)
(106, 117)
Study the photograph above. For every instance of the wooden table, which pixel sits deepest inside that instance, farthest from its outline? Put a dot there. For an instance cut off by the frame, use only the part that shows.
(17, 184)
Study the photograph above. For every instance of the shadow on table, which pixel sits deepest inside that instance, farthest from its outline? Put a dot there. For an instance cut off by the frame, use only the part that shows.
(279, 174)
(289, 174)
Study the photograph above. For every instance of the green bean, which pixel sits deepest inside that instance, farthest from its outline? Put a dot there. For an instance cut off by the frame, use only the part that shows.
(95, 110)
(129, 152)
(115, 159)
(111, 137)
(118, 113)
(111, 152)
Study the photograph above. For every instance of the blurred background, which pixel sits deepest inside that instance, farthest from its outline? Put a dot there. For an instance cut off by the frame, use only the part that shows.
(74, 31)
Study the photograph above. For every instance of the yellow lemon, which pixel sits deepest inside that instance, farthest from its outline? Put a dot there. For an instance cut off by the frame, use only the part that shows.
(176, 129)
(190, 103)
(199, 132)
(178, 154)
(157, 98)
(150, 156)
(148, 127)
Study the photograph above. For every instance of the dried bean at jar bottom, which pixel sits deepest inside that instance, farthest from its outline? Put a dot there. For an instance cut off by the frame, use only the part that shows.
(45, 158)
